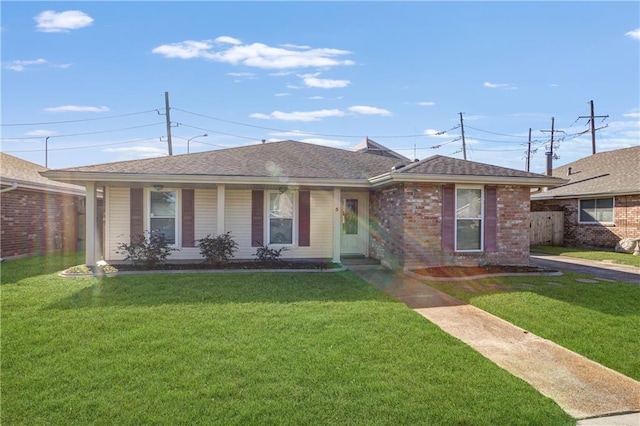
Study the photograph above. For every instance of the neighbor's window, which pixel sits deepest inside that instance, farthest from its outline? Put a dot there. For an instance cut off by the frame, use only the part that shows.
(469, 219)
(596, 210)
(281, 210)
(162, 214)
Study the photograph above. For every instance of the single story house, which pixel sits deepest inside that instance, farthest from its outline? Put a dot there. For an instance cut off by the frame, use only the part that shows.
(38, 215)
(318, 202)
(600, 201)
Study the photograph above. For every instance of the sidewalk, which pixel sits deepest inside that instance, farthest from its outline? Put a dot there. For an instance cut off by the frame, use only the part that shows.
(583, 388)
(608, 270)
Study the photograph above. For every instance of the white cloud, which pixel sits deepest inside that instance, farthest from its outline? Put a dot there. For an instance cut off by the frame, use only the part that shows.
(499, 85)
(281, 95)
(20, 64)
(184, 50)
(316, 98)
(228, 40)
(368, 110)
(77, 108)
(299, 115)
(427, 103)
(635, 34)
(311, 80)
(54, 22)
(258, 55)
(41, 133)
(325, 142)
(632, 115)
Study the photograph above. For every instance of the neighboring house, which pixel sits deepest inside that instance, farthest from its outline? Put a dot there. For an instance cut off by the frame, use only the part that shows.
(38, 215)
(601, 200)
(319, 203)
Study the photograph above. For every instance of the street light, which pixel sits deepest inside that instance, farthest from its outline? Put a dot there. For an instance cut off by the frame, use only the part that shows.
(199, 136)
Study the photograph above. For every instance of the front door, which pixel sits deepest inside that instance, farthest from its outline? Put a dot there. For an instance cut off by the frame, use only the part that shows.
(354, 236)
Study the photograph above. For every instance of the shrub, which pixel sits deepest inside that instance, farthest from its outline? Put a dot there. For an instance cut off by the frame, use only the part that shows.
(217, 250)
(268, 255)
(147, 250)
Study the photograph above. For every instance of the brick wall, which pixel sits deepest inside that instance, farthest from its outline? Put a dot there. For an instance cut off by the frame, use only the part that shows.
(406, 227)
(626, 222)
(35, 222)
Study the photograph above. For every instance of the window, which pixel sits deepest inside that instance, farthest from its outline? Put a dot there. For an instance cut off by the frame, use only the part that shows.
(162, 214)
(281, 211)
(596, 210)
(469, 218)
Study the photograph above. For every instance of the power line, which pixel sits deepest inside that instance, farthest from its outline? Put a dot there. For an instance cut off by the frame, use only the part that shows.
(81, 134)
(84, 147)
(495, 133)
(76, 121)
(293, 131)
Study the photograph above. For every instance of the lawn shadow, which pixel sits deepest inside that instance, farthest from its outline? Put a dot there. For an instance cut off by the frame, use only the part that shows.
(285, 287)
(605, 296)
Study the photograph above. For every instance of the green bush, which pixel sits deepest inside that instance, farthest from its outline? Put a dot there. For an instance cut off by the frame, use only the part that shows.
(217, 250)
(147, 250)
(267, 255)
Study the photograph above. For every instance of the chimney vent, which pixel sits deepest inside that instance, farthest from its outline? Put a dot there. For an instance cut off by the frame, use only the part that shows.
(549, 162)
(568, 171)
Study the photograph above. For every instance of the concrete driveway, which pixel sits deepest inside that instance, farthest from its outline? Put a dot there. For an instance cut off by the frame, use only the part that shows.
(606, 270)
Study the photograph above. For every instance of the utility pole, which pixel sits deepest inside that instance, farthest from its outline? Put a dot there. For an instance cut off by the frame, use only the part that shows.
(593, 126)
(529, 151)
(550, 154)
(46, 152)
(464, 146)
(167, 114)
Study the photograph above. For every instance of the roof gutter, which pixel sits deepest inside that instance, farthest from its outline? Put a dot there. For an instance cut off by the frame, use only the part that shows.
(389, 178)
(83, 177)
(13, 186)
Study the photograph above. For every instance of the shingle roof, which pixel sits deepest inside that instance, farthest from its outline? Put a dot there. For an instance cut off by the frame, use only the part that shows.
(611, 172)
(440, 165)
(373, 147)
(286, 158)
(14, 169)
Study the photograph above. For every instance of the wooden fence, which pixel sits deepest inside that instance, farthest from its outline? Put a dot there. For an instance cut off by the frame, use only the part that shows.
(547, 228)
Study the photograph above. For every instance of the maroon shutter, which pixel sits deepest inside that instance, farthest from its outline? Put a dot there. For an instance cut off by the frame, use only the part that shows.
(257, 218)
(188, 218)
(448, 217)
(304, 218)
(136, 213)
(490, 219)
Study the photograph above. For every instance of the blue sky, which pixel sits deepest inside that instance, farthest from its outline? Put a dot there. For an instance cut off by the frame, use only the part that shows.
(91, 76)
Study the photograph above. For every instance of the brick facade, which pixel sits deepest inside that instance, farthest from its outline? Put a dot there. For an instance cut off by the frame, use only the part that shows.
(626, 223)
(36, 222)
(406, 227)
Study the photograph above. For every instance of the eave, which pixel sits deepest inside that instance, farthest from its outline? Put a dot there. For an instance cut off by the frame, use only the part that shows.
(390, 178)
(124, 179)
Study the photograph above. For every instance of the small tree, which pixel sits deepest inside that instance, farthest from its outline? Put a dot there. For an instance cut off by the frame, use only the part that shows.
(217, 250)
(268, 256)
(147, 250)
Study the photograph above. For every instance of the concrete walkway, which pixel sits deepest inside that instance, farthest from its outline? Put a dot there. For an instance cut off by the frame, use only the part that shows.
(583, 388)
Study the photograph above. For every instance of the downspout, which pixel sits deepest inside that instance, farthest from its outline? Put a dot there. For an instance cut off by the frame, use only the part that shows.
(13, 186)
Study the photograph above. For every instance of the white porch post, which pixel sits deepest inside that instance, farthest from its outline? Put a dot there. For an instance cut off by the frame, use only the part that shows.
(221, 204)
(337, 223)
(90, 228)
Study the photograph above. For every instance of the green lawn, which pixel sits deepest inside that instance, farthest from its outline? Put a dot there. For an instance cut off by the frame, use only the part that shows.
(589, 254)
(276, 348)
(598, 320)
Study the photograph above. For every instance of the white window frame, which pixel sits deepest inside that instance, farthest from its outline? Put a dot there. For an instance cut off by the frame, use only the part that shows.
(597, 222)
(294, 222)
(481, 218)
(178, 213)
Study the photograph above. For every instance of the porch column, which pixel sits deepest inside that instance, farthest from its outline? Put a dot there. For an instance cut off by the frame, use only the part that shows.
(221, 204)
(90, 227)
(337, 223)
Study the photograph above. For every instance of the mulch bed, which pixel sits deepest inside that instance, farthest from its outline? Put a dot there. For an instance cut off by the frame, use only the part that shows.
(469, 271)
(232, 265)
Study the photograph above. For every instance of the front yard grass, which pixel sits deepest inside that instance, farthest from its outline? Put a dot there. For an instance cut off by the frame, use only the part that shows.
(599, 320)
(589, 254)
(252, 348)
